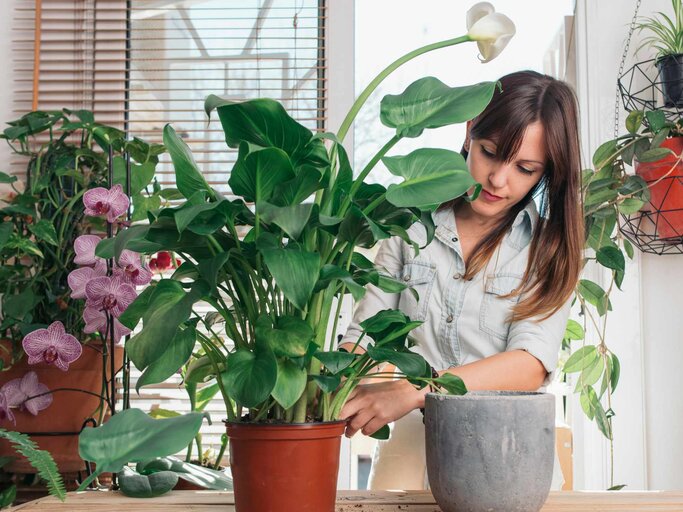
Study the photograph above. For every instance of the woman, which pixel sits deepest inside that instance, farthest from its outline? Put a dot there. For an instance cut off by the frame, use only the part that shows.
(495, 284)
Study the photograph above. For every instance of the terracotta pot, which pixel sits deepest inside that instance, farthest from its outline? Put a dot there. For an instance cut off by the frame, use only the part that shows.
(67, 412)
(282, 468)
(666, 197)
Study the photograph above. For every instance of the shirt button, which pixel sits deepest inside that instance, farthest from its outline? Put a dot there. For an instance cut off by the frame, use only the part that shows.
(449, 319)
(454, 239)
(406, 277)
(457, 276)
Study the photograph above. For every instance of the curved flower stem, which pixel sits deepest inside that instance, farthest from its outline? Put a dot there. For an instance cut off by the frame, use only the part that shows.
(355, 108)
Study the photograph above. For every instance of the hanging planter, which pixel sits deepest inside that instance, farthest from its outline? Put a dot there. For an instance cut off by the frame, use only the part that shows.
(671, 75)
(666, 190)
(285, 467)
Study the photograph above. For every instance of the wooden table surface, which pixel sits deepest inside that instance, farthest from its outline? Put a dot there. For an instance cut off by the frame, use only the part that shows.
(351, 501)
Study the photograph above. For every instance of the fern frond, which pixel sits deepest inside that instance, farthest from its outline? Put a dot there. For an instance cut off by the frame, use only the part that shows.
(41, 461)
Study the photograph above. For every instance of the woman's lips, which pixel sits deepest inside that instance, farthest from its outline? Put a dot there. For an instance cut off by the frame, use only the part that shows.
(488, 196)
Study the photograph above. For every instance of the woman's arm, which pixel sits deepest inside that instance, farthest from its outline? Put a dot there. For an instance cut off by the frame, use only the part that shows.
(371, 406)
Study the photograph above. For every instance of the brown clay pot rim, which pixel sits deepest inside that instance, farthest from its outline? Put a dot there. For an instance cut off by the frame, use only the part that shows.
(309, 425)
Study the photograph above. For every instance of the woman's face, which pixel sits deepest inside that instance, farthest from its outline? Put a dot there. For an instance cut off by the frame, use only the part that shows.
(506, 183)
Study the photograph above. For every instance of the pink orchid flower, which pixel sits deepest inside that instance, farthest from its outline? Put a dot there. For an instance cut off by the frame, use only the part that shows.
(110, 203)
(109, 294)
(19, 393)
(5, 412)
(53, 346)
(96, 321)
(78, 278)
(85, 246)
(132, 270)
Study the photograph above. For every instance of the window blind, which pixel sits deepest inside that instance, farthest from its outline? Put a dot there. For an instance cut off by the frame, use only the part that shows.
(139, 65)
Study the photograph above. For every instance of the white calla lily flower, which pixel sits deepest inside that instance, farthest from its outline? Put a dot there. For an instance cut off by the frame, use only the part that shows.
(490, 29)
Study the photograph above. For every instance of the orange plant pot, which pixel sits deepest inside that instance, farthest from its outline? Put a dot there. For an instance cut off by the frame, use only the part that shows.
(67, 412)
(666, 197)
(285, 468)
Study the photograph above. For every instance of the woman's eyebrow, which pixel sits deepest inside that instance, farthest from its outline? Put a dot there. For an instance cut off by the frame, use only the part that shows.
(532, 161)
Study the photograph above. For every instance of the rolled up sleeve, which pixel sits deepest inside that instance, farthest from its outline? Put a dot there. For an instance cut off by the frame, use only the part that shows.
(541, 338)
(389, 259)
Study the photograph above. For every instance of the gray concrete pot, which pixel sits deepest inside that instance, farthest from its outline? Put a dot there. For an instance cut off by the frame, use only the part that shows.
(490, 450)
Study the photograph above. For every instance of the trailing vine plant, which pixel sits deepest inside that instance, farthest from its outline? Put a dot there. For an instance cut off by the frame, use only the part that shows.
(608, 192)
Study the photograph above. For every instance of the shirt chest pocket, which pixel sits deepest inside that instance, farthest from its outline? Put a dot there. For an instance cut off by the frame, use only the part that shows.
(419, 277)
(496, 310)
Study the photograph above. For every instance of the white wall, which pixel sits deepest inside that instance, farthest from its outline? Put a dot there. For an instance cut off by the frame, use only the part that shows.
(6, 76)
(645, 328)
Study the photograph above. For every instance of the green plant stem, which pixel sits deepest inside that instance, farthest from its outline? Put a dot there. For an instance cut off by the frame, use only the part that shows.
(221, 452)
(362, 98)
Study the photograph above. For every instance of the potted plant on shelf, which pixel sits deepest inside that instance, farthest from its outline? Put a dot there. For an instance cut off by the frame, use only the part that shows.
(40, 223)
(274, 265)
(666, 36)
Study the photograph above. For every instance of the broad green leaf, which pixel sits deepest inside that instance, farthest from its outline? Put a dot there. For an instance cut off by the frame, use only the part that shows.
(331, 273)
(605, 154)
(452, 383)
(134, 312)
(289, 337)
(210, 268)
(198, 475)
(586, 403)
(295, 271)
(177, 353)
(630, 205)
(251, 376)
(382, 434)
(601, 231)
(19, 305)
(611, 257)
(383, 319)
(411, 364)
(600, 416)
(574, 331)
(335, 361)
(155, 484)
(265, 123)
(256, 175)
(141, 175)
(291, 219)
(126, 238)
(616, 370)
(430, 176)
(634, 120)
(601, 195)
(132, 436)
(656, 119)
(143, 205)
(654, 154)
(290, 384)
(6, 178)
(582, 358)
(591, 373)
(429, 103)
(44, 230)
(168, 307)
(594, 294)
(628, 247)
(619, 278)
(6, 229)
(189, 178)
(327, 383)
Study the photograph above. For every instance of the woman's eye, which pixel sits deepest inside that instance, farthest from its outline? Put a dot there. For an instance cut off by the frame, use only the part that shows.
(487, 153)
(524, 170)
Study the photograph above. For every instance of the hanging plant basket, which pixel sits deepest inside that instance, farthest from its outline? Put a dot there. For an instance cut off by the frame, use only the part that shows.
(648, 86)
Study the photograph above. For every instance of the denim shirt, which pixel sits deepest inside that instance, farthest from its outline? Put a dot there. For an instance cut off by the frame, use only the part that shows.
(464, 320)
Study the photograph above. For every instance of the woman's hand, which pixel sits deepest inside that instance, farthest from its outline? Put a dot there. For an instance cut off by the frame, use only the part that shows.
(371, 406)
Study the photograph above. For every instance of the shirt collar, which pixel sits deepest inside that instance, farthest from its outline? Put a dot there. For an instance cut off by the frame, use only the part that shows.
(520, 234)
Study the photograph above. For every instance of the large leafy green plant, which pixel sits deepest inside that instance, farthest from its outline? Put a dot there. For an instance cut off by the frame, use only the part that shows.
(275, 262)
(610, 191)
(67, 154)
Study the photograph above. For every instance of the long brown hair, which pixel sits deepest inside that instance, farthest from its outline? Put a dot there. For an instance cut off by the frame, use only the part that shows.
(555, 255)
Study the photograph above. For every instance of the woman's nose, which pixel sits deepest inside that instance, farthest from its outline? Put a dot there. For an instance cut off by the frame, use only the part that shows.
(499, 175)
